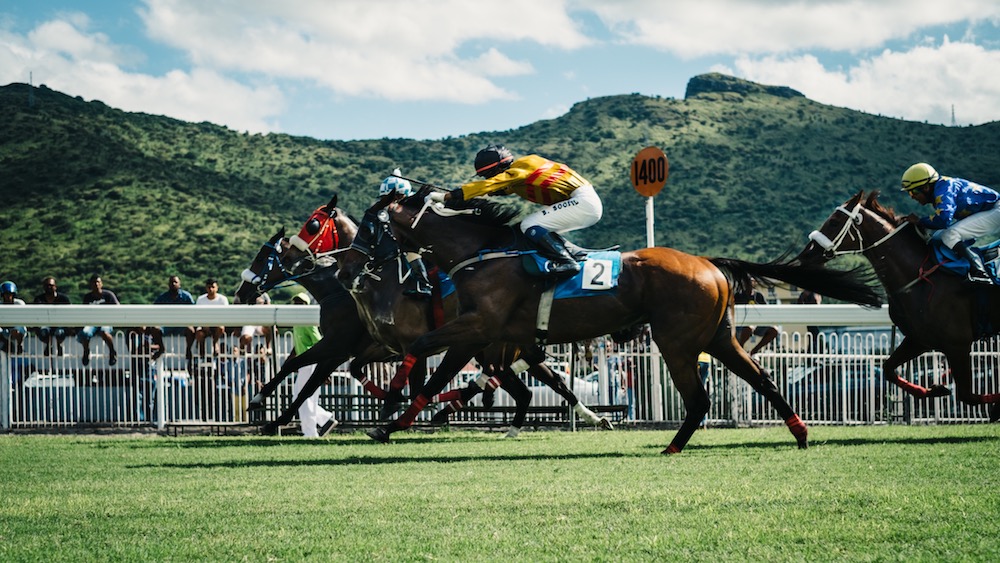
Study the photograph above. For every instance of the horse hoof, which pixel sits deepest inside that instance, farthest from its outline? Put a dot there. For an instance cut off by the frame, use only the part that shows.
(803, 444)
(938, 391)
(671, 450)
(251, 407)
(605, 424)
(270, 429)
(379, 434)
(994, 412)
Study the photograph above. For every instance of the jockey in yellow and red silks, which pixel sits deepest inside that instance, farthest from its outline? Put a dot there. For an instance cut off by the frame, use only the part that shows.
(570, 201)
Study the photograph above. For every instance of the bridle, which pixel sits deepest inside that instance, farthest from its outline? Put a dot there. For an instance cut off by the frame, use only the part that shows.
(852, 229)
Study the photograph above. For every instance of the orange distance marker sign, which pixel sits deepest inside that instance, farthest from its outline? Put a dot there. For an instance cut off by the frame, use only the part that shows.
(649, 171)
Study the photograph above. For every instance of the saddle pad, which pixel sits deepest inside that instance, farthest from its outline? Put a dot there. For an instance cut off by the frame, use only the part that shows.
(956, 263)
(444, 282)
(598, 274)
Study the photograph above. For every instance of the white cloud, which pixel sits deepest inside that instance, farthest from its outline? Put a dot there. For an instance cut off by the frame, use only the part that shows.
(67, 58)
(734, 27)
(397, 50)
(920, 84)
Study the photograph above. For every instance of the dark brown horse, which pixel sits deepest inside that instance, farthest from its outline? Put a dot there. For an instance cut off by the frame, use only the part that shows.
(383, 324)
(687, 301)
(934, 309)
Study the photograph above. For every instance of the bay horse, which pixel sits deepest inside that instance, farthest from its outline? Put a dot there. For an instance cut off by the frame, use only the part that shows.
(687, 301)
(377, 330)
(934, 309)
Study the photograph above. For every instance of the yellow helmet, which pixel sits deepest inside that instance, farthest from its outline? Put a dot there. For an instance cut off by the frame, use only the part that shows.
(918, 176)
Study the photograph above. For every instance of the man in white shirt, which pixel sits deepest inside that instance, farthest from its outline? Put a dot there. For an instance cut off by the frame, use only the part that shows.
(210, 297)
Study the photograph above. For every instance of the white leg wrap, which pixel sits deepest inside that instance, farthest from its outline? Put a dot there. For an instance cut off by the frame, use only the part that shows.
(513, 432)
(586, 414)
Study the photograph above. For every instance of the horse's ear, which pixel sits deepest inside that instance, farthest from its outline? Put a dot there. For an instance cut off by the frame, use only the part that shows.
(332, 205)
(854, 200)
(872, 199)
(279, 235)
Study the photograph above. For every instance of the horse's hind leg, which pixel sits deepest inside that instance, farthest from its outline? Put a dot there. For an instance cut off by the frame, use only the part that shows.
(683, 367)
(734, 357)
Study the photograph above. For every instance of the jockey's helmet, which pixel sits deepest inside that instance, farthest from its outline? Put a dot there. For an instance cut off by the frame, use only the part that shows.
(918, 176)
(395, 184)
(8, 287)
(493, 160)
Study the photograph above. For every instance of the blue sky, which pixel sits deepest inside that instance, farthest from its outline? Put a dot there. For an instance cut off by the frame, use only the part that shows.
(426, 69)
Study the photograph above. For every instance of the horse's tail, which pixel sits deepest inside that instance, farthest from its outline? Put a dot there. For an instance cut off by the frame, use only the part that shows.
(854, 285)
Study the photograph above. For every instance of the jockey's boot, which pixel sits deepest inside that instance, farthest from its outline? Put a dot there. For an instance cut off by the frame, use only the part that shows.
(561, 262)
(421, 285)
(977, 271)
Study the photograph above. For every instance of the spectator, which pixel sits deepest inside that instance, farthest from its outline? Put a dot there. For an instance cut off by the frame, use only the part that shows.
(98, 296)
(174, 295)
(51, 296)
(743, 333)
(248, 332)
(11, 337)
(316, 421)
(811, 298)
(210, 297)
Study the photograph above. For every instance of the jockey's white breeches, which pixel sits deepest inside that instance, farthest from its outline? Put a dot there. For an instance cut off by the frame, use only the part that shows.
(977, 225)
(581, 210)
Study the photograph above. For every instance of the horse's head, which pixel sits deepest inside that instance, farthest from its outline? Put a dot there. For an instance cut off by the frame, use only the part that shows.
(266, 271)
(327, 229)
(374, 245)
(858, 225)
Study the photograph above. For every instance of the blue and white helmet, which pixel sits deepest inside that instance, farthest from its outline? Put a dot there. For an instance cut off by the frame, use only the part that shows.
(8, 287)
(395, 184)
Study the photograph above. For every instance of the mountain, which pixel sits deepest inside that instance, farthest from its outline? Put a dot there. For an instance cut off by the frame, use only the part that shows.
(135, 197)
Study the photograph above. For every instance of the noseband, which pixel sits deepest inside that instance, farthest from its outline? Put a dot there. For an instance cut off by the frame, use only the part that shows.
(262, 281)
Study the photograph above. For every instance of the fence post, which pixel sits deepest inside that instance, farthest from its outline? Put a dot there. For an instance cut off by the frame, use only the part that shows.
(657, 380)
(161, 402)
(4, 391)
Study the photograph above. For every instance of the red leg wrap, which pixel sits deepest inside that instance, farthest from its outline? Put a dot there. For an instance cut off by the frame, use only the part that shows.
(493, 382)
(399, 380)
(672, 449)
(406, 420)
(917, 391)
(990, 398)
(373, 390)
(797, 427)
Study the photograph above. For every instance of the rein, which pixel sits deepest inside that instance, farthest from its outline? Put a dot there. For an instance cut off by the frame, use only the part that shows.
(851, 228)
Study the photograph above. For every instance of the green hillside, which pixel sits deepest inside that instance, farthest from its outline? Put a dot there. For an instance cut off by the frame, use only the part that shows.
(88, 188)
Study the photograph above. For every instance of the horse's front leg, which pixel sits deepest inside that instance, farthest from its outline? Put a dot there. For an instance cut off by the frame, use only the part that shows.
(451, 364)
(907, 350)
(313, 355)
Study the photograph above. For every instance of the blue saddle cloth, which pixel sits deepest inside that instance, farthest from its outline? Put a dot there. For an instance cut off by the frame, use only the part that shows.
(958, 264)
(598, 274)
(444, 282)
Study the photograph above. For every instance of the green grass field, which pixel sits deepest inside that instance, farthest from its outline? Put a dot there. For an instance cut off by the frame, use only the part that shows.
(863, 493)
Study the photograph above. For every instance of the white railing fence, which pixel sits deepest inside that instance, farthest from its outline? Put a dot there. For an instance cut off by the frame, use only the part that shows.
(834, 379)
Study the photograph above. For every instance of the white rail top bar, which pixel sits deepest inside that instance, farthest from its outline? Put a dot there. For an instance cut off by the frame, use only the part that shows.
(293, 315)
(158, 315)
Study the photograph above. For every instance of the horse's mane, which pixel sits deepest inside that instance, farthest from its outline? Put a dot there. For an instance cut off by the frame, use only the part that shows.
(489, 212)
(886, 213)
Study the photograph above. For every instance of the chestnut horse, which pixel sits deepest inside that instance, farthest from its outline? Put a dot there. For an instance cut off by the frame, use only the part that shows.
(934, 309)
(687, 301)
(388, 321)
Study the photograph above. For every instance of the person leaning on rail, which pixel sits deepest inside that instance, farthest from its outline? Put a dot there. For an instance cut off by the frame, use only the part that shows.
(569, 201)
(963, 212)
